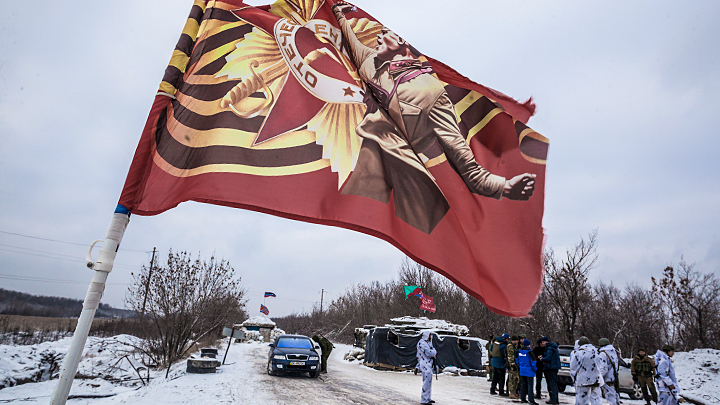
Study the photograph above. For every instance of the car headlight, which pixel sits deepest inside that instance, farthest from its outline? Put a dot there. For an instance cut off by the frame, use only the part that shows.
(314, 358)
(279, 357)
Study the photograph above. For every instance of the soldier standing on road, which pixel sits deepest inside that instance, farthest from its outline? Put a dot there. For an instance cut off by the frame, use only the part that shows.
(425, 355)
(665, 376)
(326, 348)
(643, 369)
(513, 382)
(538, 351)
(488, 345)
(499, 364)
(585, 373)
(551, 358)
(608, 364)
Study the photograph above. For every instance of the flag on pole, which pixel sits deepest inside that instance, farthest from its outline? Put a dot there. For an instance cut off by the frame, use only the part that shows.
(264, 309)
(302, 110)
(269, 294)
(427, 303)
(412, 291)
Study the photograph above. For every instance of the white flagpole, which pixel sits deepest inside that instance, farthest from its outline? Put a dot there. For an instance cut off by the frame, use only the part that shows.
(102, 268)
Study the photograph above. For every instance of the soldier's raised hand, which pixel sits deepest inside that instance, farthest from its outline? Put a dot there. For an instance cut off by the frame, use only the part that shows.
(344, 7)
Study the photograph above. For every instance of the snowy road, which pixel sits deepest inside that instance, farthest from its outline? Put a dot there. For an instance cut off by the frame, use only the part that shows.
(244, 380)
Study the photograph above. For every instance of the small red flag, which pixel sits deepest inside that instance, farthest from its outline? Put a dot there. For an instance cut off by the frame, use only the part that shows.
(427, 303)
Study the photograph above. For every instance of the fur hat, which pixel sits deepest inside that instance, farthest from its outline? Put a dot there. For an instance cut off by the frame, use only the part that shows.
(668, 348)
(514, 338)
(604, 342)
(584, 341)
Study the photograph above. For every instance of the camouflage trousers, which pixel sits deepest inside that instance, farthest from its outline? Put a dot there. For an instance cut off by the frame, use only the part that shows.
(513, 382)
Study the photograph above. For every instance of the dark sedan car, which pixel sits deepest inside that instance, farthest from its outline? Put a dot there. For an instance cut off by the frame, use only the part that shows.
(293, 354)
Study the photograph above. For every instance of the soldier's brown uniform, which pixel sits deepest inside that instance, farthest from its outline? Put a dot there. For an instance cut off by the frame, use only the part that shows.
(643, 368)
(415, 116)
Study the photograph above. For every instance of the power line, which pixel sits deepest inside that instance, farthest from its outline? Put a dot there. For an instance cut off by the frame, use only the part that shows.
(69, 259)
(49, 280)
(66, 242)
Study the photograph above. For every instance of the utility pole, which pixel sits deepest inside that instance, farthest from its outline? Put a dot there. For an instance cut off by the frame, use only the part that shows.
(147, 283)
(322, 292)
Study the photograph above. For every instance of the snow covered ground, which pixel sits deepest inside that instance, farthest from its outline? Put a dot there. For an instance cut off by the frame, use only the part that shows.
(243, 380)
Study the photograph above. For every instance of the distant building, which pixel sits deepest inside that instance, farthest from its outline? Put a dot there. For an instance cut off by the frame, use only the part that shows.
(257, 327)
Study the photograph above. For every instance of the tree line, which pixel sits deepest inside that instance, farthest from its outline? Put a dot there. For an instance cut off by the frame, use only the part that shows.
(681, 306)
(19, 303)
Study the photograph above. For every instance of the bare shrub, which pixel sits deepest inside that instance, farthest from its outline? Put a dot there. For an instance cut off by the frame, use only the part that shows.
(187, 300)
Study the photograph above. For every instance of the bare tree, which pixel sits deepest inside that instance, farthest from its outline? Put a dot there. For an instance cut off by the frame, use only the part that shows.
(188, 299)
(641, 308)
(566, 283)
(693, 301)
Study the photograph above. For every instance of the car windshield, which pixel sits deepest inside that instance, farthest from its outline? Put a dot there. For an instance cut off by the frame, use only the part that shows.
(296, 342)
(565, 351)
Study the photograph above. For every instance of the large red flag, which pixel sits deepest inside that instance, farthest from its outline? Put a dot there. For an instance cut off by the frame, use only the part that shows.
(315, 111)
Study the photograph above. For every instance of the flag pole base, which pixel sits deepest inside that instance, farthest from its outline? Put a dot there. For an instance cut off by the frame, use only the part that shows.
(103, 267)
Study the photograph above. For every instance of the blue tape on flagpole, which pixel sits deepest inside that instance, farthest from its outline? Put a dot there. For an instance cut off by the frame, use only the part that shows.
(120, 209)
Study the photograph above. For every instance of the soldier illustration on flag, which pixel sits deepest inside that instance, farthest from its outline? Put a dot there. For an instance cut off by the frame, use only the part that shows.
(415, 118)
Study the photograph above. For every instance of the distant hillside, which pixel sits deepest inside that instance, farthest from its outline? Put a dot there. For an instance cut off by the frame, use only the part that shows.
(18, 303)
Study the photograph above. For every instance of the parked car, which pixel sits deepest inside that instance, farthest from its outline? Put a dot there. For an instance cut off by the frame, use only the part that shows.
(564, 379)
(625, 381)
(293, 354)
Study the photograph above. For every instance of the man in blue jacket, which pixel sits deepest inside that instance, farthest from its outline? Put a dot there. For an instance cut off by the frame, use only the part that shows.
(499, 363)
(527, 363)
(551, 365)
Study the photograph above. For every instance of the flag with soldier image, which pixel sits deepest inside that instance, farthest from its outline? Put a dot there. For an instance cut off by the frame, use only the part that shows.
(313, 110)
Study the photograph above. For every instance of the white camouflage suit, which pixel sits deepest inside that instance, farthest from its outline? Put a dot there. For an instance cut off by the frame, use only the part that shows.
(585, 373)
(425, 353)
(607, 360)
(665, 378)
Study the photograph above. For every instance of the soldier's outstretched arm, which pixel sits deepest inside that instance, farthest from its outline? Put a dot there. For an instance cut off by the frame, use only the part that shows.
(478, 179)
(443, 122)
(358, 50)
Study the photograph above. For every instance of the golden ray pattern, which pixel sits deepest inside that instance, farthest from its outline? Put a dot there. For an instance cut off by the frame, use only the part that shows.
(299, 11)
(334, 128)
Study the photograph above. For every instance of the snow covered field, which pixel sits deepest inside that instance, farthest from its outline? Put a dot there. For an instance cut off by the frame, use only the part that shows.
(243, 380)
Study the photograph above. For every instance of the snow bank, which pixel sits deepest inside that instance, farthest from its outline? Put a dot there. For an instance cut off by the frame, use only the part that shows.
(355, 353)
(436, 324)
(34, 363)
(698, 374)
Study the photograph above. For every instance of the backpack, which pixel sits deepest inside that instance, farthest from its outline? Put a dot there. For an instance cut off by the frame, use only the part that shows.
(495, 350)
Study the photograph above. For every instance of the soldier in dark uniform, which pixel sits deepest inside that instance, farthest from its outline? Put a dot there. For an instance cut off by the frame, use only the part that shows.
(326, 348)
(409, 116)
(643, 369)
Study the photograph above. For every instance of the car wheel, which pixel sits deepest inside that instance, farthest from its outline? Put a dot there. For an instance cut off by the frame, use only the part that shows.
(561, 387)
(636, 392)
(269, 368)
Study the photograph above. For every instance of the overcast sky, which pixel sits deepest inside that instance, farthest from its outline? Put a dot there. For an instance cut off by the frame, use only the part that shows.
(627, 92)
